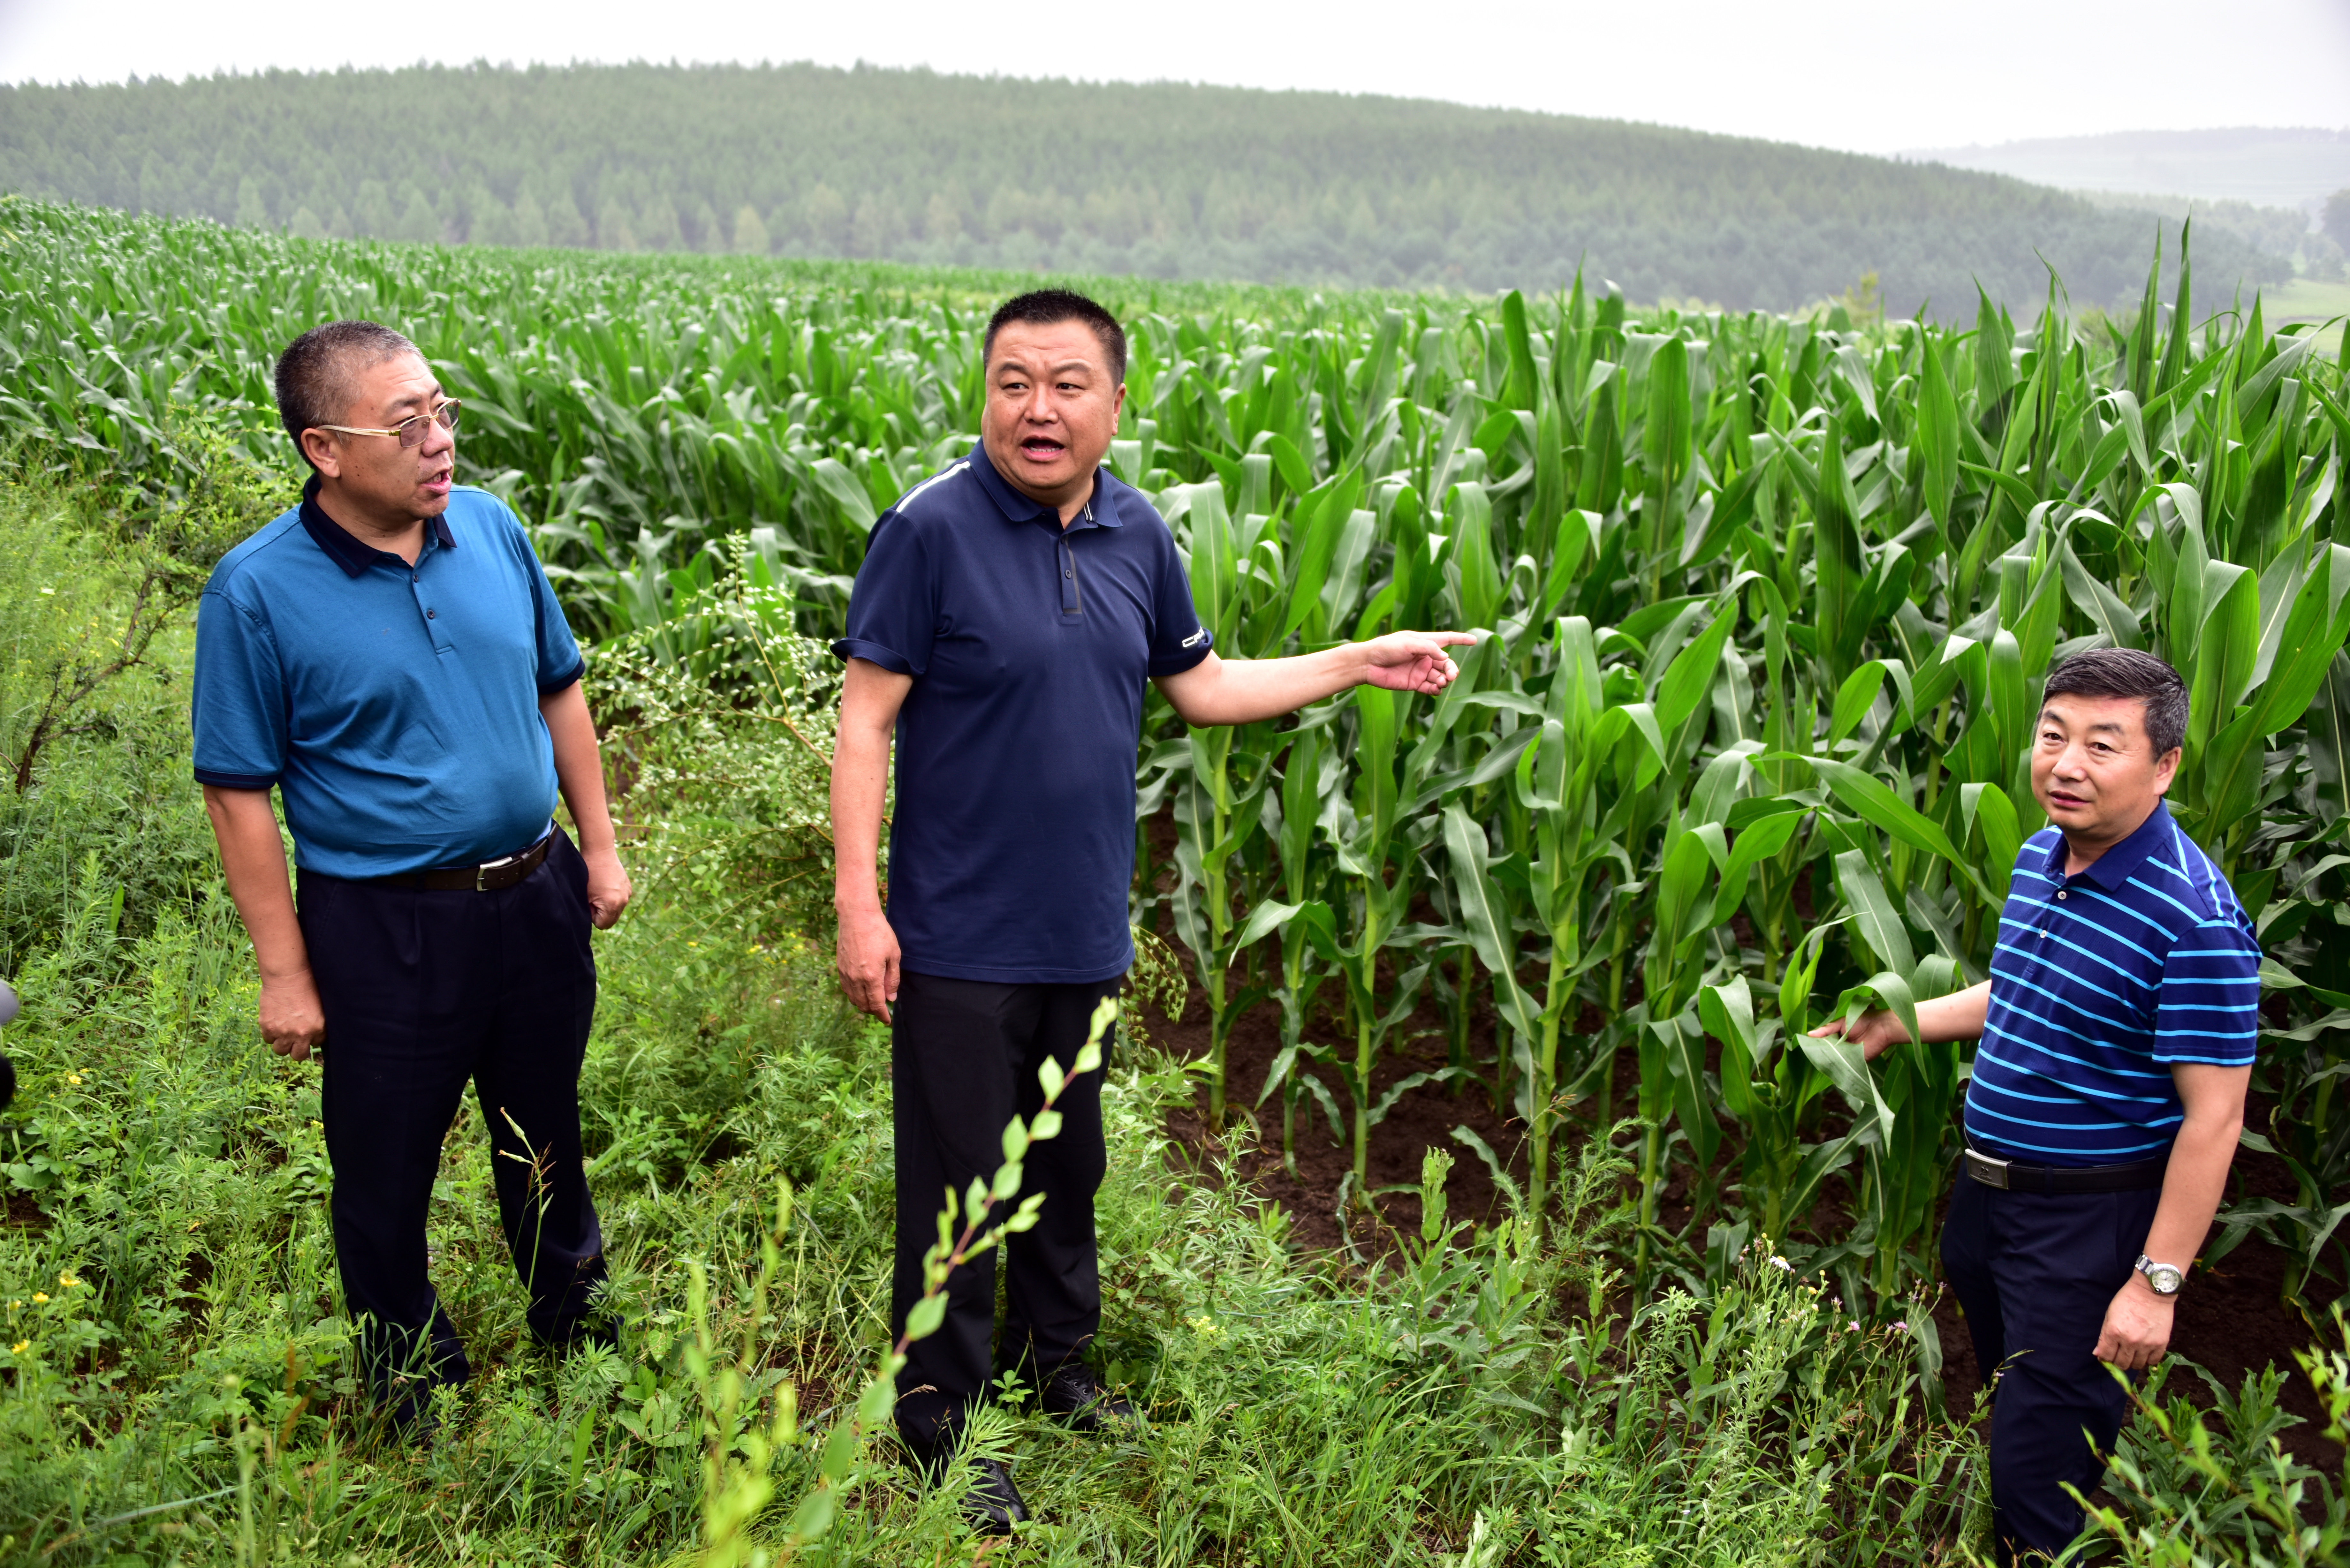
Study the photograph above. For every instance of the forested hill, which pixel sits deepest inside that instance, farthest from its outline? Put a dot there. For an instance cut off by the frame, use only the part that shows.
(1162, 179)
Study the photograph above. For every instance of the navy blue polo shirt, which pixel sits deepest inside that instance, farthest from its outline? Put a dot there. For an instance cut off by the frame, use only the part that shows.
(2099, 984)
(1012, 843)
(394, 707)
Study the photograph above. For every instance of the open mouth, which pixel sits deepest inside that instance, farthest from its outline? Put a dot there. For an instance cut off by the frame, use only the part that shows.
(1044, 449)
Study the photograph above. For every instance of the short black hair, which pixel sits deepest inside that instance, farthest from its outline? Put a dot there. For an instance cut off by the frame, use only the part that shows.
(2128, 672)
(315, 372)
(1051, 307)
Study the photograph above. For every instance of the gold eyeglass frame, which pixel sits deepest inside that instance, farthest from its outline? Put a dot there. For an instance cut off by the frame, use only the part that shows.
(444, 415)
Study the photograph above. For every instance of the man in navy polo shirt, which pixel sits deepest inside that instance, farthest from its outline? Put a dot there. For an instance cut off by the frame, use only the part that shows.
(390, 658)
(1009, 613)
(2117, 1031)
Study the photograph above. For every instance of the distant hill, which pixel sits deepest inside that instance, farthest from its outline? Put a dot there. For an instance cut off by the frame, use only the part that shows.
(2267, 167)
(2278, 231)
(1162, 179)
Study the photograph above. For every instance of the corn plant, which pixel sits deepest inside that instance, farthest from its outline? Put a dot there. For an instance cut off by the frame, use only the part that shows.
(1768, 600)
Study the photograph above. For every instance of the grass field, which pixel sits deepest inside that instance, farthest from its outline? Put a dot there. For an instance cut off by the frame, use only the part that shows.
(2308, 299)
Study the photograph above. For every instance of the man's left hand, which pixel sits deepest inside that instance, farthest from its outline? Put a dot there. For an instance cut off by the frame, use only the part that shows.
(609, 887)
(1412, 660)
(2138, 1326)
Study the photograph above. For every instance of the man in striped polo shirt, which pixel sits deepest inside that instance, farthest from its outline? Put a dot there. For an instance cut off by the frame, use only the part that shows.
(2116, 1036)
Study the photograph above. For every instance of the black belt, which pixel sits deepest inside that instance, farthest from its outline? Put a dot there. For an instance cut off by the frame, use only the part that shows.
(487, 877)
(2138, 1176)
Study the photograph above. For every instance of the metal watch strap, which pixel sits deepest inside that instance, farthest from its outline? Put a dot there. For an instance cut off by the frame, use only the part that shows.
(2148, 1267)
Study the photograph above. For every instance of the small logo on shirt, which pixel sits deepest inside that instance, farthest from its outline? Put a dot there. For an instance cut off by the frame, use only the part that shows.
(1195, 638)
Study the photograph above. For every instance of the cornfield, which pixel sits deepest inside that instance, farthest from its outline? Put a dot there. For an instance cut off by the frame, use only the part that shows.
(1766, 601)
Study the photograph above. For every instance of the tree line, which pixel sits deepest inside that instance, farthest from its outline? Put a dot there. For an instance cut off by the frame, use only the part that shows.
(1163, 180)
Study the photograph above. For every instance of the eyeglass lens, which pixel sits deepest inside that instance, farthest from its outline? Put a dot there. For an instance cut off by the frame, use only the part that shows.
(412, 429)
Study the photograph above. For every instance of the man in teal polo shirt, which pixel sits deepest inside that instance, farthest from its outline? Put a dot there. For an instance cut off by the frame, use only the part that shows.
(390, 657)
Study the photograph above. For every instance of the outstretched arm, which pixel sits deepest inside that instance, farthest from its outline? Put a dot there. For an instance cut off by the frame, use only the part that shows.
(1219, 690)
(1958, 1016)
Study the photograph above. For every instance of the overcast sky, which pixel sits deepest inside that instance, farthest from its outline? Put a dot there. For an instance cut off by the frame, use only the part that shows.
(1834, 73)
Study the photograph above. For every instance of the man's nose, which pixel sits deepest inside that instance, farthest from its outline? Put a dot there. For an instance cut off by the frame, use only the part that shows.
(438, 441)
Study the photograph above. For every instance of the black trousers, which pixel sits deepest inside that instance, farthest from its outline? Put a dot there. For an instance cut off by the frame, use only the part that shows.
(2034, 1272)
(963, 1061)
(423, 990)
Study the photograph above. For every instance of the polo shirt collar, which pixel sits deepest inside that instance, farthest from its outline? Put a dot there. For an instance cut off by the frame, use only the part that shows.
(345, 549)
(1020, 508)
(2113, 867)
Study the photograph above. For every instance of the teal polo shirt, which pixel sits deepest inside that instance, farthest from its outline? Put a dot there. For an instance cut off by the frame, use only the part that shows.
(394, 707)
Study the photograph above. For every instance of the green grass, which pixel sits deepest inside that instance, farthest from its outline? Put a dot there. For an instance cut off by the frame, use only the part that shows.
(2307, 299)
(190, 1353)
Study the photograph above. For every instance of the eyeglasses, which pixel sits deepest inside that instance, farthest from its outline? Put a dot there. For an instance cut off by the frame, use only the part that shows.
(410, 431)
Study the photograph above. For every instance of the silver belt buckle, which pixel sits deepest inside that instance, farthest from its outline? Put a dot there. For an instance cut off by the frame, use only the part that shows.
(1991, 1172)
(482, 872)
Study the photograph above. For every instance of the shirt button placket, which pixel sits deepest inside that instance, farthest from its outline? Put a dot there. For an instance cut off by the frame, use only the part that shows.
(433, 631)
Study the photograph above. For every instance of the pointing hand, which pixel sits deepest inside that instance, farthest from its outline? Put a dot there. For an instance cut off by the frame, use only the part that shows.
(1412, 660)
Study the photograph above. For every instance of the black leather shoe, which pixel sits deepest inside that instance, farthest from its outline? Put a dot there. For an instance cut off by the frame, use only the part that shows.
(992, 1504)
(1077, 1396)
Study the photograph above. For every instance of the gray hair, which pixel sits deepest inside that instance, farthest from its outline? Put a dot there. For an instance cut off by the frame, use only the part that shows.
(2128, 672)
(316, 373)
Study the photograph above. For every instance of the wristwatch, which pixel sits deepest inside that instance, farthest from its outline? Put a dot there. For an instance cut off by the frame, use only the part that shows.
(2163, 1278)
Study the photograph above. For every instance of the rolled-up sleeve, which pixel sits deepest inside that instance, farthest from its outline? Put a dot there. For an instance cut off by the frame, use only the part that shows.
(893, 608)
(238, 710)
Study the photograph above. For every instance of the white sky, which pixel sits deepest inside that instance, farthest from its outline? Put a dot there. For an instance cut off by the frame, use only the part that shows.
(1872, 77)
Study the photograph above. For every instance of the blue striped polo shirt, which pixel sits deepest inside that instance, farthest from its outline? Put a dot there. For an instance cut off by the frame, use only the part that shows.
(2099, 983)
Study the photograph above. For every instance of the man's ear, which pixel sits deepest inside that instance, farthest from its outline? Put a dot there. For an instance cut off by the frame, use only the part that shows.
(2166, 769)
(324, 451)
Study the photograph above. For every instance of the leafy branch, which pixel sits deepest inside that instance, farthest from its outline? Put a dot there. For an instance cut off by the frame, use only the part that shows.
(738, 1462)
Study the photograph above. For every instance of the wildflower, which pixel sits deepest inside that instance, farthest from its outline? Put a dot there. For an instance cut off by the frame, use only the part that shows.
(1206, 1327)
(1782, 1264)
(73, 1077)
(21, 1346)
(40, 1298)
(1856, 1325)
(68, 1281)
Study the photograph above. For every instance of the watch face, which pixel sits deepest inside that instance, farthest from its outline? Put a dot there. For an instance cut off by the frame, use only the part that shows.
(2165, 1279)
